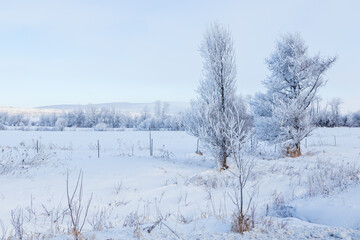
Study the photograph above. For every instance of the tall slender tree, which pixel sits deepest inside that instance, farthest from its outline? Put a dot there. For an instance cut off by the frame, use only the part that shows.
(216, 99)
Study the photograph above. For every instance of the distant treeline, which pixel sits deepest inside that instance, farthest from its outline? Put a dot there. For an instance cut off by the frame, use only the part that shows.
(348, 120)
(102, 119)
(329, 115)
(98, 119)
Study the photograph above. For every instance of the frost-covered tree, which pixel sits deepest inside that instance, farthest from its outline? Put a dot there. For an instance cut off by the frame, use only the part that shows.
(216, 99)
(237, 133)
(330, 115)
(334, 106)
(60, 124)
(282, 114)
(355, 119)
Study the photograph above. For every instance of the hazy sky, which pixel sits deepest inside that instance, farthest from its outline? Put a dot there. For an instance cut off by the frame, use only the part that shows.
(62, 52)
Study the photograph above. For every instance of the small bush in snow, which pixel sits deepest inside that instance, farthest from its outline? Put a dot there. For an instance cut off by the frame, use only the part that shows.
(132, 220)
(280, 208)
(327, 177)
(17, 220)
(100, 220)
(100, 127)
(60, 124)
(163, 153)
(241, 223)
(78, 209)
(118, 187)
(16, 159)
(206, 182)
(3, 231)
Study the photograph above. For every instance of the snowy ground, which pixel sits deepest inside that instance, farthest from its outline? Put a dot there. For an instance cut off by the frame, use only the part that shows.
(313, 196)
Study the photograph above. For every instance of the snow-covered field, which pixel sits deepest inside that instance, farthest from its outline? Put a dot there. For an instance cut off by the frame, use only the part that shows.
(313, 196)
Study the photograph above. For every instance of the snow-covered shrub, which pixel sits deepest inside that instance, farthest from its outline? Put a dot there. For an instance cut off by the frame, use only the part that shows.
(163, 153)
(100, 127)
(241, 223)
(3, 231)
(2, 127)
(60, 124)
(280, 208)
(118, 187)
(17, 160)
(132, 220)
(17, 220)
(78, 208)
(206, 182)
(327, 177)
(100, 220)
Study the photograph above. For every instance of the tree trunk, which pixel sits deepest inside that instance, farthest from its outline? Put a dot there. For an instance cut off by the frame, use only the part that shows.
(223, 165)
(294, 151)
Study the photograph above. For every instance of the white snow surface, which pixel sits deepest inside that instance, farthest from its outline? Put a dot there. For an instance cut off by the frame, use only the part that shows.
(185, 188)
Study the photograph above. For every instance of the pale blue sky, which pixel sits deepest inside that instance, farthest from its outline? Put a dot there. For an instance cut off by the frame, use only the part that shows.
(62, 52)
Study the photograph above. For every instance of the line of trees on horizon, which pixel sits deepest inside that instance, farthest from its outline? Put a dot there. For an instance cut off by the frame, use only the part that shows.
(323, 115)
(99, 119)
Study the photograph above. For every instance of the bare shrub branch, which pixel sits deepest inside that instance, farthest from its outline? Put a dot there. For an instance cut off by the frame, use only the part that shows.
(17, 220)
(75, 204)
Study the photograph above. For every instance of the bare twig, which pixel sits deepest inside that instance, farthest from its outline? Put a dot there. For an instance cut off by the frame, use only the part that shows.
(78, 218)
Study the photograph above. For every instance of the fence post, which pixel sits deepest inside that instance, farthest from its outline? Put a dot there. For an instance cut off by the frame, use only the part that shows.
(152, 147)
(150, 142)
(98, 148)
(335, 140)
(251, 143)
(197, 146)
(305, 142)
(37, 146)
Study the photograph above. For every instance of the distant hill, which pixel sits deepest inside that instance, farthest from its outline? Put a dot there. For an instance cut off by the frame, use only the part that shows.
(125, 107)
(29, 111)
